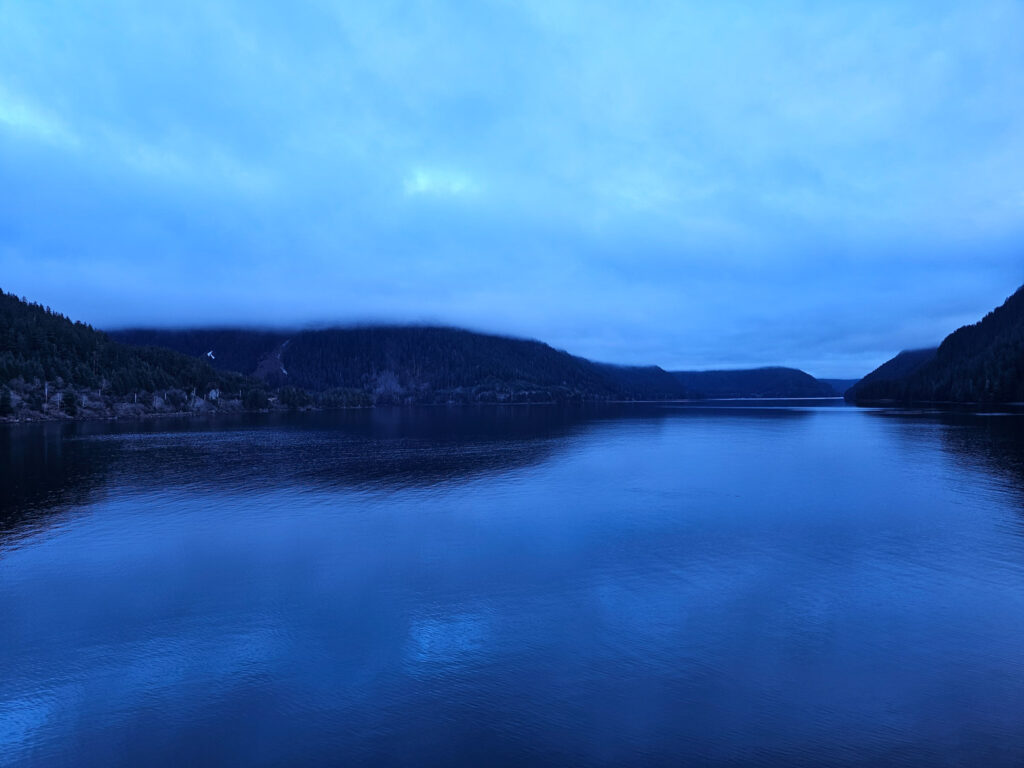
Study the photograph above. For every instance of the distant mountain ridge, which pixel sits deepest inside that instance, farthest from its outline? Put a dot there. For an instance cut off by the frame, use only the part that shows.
(367, 365)
(428, 364)
(415, 364)
(982, 362)
(756, 382)
(136, 372)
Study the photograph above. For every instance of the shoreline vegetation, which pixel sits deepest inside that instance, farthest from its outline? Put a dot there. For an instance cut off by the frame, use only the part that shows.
(158, 407)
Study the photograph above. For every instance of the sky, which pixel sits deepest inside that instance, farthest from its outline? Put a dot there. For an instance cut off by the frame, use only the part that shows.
(688, 184)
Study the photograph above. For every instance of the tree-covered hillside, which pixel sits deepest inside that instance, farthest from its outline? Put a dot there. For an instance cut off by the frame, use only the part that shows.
(420, 364)
(438, 364)
(755, 382)
(898, 368)
(983, 362)
(225, 349)
(43, 354)
(647, 382)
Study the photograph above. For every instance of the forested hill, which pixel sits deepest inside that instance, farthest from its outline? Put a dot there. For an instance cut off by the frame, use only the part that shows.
(225, 349)
(417, 364)
(754, 382)
(48, 362)
(898, 368)
(983, 362)
(437, 364)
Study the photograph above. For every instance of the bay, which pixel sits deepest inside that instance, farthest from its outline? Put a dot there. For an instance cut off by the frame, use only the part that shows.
(785, 583)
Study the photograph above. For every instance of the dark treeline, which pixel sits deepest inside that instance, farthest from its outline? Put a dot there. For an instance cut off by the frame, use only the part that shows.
(431, 364)
(888, 375)
(414, 364)
(756, 382)
(234, 350)
(421, 361)
(46, 359)
(422, 364)
(982, 363)
(37, 343)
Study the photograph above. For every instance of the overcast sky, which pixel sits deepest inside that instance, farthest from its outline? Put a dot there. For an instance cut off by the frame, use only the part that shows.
(691, 184)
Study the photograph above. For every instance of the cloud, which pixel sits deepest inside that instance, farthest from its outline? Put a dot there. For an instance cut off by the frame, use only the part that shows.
(439, 183)
(24, 118)
(191, 163)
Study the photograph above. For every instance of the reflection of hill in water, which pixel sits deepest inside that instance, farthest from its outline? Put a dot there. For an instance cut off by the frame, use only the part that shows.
(994, 443)
(985, 441)
(42, 473)
(50, 468)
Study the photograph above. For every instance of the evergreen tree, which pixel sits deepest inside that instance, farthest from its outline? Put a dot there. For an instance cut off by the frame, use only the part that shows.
(255, 400)
(40, 345)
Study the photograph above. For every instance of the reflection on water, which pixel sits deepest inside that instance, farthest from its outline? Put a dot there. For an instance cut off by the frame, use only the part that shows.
(51, 467)
(726, 584)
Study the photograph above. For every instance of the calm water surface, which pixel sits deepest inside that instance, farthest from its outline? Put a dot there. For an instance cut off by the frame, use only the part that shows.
(785, 585)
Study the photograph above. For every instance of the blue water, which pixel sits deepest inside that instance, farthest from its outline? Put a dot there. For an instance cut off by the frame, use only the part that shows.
(659, 585)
